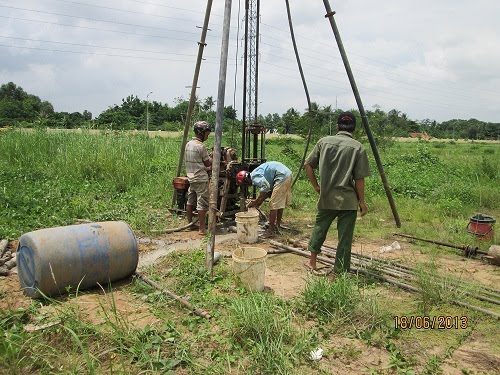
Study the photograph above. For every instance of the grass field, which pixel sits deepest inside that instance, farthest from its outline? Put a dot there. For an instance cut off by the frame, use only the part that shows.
(50, 179)
(53, 178)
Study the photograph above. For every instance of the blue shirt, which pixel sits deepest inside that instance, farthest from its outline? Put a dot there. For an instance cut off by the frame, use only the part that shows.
(269, 174)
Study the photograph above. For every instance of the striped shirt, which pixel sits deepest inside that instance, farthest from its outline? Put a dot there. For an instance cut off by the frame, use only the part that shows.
(195, 155)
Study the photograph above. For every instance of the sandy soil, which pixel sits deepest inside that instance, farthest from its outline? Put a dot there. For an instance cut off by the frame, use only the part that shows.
(286, 277)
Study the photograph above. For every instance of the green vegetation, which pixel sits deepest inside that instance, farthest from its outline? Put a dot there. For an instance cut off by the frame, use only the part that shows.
(50, 178)
(54, 178)
(20, 109)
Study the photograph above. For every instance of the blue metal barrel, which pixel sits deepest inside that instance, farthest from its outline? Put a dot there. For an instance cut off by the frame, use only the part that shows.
(76, 256)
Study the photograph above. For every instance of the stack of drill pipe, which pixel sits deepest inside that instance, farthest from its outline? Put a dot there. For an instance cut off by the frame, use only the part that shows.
(398, 270)
(7, 259)
(401, 271)
(355, 259)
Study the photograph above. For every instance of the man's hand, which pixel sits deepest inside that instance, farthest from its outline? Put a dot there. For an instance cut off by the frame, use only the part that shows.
(312, 177)
(363, 209)
(251, 204)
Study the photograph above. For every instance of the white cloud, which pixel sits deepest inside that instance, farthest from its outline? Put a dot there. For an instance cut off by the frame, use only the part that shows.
(429, 59)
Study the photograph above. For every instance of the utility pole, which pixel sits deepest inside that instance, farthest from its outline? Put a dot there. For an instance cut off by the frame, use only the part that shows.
(147, 112)
(214, 181)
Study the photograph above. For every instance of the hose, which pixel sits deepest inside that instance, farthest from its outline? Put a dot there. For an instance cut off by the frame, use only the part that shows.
(172, 230)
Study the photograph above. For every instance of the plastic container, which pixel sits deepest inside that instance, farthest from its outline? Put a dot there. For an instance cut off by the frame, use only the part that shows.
(481, 226)
(494, 251)
(180, 183)
(392, 247)
(247, 225)
(51, 260)
(249, 263)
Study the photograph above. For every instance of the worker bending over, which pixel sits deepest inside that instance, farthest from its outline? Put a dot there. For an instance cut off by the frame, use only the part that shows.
(274, 180)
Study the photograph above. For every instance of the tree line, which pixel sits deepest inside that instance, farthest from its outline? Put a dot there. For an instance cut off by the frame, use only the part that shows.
(20, 109)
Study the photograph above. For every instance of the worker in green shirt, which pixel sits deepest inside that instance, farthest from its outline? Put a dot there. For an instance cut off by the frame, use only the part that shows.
(343, 166)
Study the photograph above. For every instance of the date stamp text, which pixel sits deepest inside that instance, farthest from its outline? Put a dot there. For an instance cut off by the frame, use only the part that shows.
(431, 322)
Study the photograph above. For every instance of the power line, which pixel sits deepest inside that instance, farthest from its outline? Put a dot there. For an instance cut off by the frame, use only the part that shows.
(393, 75)
(95, 46)
(155, 4)
(92, 53)
(99, 20)
(124, 10)
(99, 29)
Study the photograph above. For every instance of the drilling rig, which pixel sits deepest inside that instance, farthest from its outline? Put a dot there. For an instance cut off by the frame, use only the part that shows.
(231, 198)
(253, 133)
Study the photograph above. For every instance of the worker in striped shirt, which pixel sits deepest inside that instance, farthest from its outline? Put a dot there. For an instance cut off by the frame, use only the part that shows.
(198, 165)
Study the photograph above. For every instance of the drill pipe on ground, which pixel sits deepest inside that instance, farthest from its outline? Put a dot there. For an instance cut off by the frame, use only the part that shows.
(380, 277)
(409, 275)
(278, 251)
(185, 303)
(411, 271)
(3, 247)
(468, 250)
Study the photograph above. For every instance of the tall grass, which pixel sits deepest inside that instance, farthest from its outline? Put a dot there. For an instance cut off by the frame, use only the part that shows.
(49, 179)
(262, 324)
(328, 301)
(75, 345)
(53, 178)
(437, 289)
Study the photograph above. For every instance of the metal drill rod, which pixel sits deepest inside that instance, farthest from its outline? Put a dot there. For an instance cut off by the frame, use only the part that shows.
(417, 290)
(389, 270)
(364, 118)
(326, 247)
(382, 278)
(408, 275)
(181, 300)
(378, 266)
(494, 293)
(331, 248)
(467, 248)
(486, 290)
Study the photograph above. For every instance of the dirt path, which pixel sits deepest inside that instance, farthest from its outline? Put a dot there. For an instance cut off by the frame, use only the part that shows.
(287, 277)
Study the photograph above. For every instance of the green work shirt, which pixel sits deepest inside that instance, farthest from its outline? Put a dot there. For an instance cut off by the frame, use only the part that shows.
(341, 160)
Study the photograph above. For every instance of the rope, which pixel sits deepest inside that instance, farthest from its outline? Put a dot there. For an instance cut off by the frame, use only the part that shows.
(309, 106)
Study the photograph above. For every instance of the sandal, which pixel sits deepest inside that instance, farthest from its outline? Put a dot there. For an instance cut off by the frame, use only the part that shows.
(268, 234)
(322, 271)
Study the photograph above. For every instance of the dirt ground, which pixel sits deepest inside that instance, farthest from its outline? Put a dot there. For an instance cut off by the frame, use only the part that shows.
(286, 277)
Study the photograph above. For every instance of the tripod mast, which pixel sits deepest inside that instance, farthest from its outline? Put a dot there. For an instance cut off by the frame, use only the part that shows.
(251, 129)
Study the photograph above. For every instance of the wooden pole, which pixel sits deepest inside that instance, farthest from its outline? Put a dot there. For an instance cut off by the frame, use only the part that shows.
(192, 96)
(364, 118)
(214, 181)
(181, 300)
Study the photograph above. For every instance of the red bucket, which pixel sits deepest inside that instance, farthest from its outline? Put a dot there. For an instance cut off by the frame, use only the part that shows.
(180, 183)
(481, 226)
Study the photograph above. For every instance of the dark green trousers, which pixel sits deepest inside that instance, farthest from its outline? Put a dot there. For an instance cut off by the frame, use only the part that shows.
(346, 220)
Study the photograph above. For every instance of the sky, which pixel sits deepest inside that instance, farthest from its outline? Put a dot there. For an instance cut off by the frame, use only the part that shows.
(436, 60)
